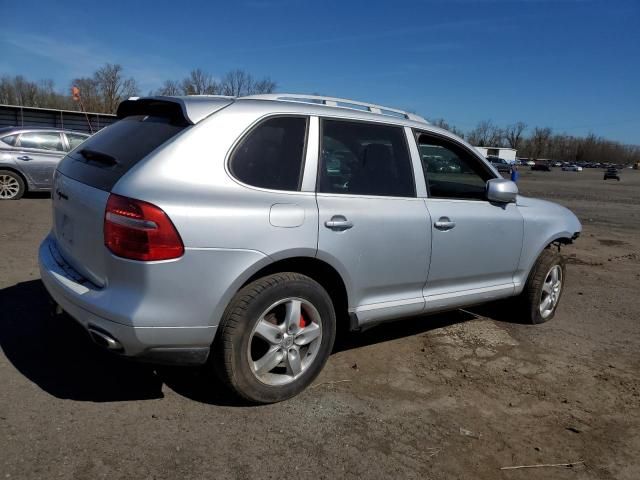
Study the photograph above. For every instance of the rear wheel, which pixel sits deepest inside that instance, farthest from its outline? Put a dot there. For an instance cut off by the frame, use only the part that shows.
(275, 337)
(544, 287)
(11, 185)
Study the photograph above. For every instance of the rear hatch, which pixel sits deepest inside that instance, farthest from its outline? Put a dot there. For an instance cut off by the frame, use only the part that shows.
(86, 176)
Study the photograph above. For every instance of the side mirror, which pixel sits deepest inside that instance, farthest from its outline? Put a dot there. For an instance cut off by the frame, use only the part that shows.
(501, 190)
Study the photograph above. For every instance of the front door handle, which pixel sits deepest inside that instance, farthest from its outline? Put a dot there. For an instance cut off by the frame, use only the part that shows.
(24, 157)
(338, 223)
(444, 224)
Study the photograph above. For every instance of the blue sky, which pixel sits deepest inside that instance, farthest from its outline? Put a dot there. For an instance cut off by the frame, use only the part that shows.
(573, 65)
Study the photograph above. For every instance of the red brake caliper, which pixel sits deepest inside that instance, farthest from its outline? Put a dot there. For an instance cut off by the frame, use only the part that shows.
(303, 322)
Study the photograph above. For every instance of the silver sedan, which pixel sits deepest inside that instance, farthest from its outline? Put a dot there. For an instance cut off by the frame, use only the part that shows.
(29, 156)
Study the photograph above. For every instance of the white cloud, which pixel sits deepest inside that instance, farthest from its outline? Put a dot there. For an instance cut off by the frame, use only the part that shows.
(81, 58)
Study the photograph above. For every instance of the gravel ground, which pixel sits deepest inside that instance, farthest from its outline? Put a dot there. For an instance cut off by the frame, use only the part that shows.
(458, 395)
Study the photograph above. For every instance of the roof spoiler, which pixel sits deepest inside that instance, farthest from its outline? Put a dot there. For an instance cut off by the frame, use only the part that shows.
(165, 108)
(187, 110)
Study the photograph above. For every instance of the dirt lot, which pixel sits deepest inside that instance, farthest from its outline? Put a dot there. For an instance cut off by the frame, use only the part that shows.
(450, 396)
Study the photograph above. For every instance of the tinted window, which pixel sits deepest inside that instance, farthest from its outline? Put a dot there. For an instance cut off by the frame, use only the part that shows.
(365, 159)
(75, 139)
(10, 139)
(124, 144)
(42, 141)
(271, 155)
(450, 171)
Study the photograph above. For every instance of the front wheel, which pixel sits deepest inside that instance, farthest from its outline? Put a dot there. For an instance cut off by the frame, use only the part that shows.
(544, 287)
(275, 337)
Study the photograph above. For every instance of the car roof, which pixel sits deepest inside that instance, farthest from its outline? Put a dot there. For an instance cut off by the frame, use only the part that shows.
(197, 107)
(27, 128)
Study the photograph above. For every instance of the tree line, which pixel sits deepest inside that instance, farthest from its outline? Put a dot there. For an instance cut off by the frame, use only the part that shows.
(544, 143)
(103, 91)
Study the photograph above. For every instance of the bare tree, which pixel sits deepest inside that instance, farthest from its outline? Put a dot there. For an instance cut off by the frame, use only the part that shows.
(266, 85)
(169, 87)
(113, 87)
(442, 123)
(486, 134)
(199, 83)
(513, 134)
(236, 83)
(540, 141)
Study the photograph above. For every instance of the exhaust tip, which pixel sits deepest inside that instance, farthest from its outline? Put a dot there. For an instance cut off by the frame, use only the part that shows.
(104, 340)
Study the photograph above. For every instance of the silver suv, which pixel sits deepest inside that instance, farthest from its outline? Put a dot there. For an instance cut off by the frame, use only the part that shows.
(240, 233)
(30, 155)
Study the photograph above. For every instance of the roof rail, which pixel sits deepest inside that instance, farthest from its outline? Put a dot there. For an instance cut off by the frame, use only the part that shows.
(339, 102)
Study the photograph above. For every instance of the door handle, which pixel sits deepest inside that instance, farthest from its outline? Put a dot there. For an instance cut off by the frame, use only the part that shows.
(444, 224)
(24, 157)
(339, 223)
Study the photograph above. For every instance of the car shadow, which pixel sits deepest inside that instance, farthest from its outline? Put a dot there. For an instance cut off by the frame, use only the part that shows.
(57, 354)
(46, 195)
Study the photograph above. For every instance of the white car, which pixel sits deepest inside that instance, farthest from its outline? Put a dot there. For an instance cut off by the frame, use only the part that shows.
(531, 163)
(572, 168)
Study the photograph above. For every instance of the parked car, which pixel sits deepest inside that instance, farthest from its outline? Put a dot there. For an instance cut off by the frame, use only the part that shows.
(557, 164)
(541, 166)
(500, 164)
(572, 168)
(240, 233)
(531, 163)
(29, 156)
(611, 173)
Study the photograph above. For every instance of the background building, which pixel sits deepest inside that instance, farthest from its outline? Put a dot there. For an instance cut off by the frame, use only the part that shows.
(508, 154)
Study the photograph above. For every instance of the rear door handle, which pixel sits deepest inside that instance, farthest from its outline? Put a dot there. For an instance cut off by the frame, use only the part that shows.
(444, 224)
(24, 157)
(339, 223)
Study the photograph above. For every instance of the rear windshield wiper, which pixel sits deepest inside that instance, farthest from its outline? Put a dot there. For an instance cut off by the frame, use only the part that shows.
(95, 156)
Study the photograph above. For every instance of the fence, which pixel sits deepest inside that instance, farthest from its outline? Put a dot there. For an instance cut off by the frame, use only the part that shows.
(16, 116)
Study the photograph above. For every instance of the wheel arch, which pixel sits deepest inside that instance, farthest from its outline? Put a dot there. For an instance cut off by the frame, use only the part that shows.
(558, 239)
(318, 270)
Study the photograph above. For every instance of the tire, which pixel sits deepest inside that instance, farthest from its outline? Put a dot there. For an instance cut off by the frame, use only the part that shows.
(541, 285)
(266, 323)
(11, 185)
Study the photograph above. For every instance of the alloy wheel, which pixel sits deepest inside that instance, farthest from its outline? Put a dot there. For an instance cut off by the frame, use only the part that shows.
(285, 341)
(551, 289)
(9, 187)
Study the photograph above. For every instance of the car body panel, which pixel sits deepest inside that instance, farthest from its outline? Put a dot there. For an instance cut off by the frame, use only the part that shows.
(482, 250)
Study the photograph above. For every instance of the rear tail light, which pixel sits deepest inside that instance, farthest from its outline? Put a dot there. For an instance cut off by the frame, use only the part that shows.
(139, 230)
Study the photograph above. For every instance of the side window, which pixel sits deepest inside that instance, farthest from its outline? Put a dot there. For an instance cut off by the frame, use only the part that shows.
(365, 159)
(10, 139)
(75, 139)
(271, 156)
(450, 171)
(42, 141)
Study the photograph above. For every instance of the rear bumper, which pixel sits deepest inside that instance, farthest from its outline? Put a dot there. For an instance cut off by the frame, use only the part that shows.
(80, 299)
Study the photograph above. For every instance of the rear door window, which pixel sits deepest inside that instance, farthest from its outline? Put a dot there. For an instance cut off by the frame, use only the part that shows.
(105, 157)
(50, 141)
(361, 158)
(271, 155)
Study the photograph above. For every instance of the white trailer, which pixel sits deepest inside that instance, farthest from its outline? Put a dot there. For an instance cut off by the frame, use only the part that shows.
(508, 154)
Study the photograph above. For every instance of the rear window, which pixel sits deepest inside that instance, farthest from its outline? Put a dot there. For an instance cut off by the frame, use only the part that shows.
(106, 156)
(271, 156)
